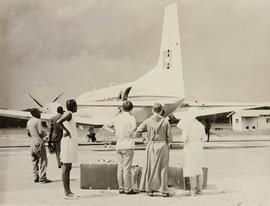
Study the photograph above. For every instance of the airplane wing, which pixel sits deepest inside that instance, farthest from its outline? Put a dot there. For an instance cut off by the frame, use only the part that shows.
(21, 114)
(197, 112)
(96, 121)
(205, 109)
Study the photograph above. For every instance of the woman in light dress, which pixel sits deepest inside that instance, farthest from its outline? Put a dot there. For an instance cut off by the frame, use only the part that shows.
(193, 136)
(69, 145)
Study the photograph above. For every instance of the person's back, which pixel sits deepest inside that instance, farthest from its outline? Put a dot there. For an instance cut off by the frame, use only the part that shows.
(56, 133)
(193, 136)
(124, 125)
(157, 129)
(37, 146)
(154, 175)
(195, 132)
(35, 129)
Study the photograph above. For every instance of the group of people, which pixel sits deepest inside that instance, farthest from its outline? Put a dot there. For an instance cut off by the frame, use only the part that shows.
(63, 134)
(155, 171)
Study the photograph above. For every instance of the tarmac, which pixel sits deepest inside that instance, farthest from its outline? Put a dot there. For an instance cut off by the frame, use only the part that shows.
(238, 174)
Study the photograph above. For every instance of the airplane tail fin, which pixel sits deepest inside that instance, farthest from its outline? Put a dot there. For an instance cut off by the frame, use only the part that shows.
(166, 78)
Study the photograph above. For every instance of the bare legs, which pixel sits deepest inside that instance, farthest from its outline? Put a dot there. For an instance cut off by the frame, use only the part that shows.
(66, 177)
(192, 182)
(66, 181)
(196, 183)
(199, 183)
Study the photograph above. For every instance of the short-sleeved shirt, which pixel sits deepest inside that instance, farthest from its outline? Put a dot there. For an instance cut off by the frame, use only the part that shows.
(35, 128)
(125, 125)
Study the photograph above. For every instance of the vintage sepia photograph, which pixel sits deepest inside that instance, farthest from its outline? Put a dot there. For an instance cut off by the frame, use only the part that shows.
(132, 102)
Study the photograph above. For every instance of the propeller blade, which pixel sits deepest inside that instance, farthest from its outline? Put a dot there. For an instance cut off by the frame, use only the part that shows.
(58, 97)
(35, 100)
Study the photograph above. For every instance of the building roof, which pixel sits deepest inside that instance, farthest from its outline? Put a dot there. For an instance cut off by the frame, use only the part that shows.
(253, 113)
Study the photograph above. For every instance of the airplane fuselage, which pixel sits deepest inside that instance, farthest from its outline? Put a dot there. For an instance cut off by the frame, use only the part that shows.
(140, 111)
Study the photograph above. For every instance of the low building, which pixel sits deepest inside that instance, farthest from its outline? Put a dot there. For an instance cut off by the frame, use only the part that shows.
(251, 120)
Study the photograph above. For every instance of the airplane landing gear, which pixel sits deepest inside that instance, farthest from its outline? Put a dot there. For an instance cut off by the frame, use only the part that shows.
(91, 136)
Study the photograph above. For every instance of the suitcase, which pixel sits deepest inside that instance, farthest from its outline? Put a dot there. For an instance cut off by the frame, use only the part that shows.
(104, 176)
(177, 180)
(175, 177)
(99, 176)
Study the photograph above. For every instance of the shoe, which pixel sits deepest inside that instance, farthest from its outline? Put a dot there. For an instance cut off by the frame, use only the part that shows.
(71, 196)
(59, 166)
(150, 193)
(74, 195)
(199, 192)
(44, 181)
(121, 191)
(191, 193)
(131, 192)
(36, 179)
(168, 194)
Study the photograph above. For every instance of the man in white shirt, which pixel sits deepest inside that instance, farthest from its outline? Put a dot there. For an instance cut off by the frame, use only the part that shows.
(124, 126)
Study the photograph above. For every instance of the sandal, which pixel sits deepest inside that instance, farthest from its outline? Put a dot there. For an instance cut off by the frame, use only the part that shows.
(150, 193)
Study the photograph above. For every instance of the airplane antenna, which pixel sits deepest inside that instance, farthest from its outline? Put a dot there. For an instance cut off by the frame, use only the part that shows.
(58, 97)
(35, 100)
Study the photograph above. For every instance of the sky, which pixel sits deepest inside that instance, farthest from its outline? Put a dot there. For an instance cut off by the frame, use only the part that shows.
(49, 47)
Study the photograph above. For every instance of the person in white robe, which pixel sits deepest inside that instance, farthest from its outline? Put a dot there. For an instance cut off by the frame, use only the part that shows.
(193, 136)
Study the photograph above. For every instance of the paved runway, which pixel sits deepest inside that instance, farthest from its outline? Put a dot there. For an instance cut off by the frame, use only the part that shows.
(239, 174)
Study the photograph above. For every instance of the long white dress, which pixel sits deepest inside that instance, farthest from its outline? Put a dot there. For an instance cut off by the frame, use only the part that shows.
(193, 136)
(69, 145)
